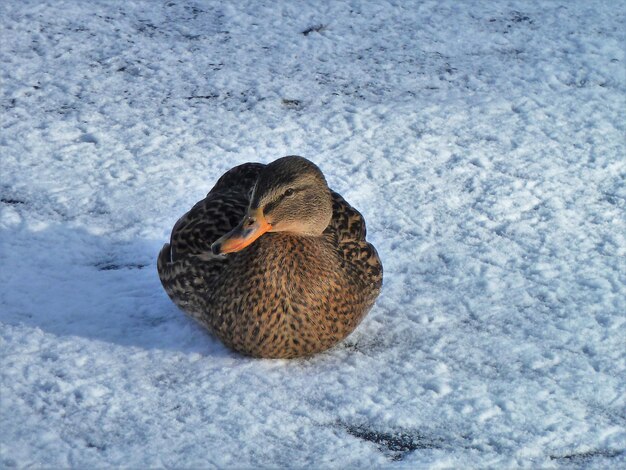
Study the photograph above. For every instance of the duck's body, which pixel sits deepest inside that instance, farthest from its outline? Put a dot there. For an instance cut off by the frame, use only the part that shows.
(290, 292)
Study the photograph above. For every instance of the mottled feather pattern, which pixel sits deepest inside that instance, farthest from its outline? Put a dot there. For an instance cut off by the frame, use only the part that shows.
(218, 213)
(283, 296)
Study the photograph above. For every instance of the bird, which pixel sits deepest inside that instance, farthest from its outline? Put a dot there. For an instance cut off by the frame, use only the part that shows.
(272, 261)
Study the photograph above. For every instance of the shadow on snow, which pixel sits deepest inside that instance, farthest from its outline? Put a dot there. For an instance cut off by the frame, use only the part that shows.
(69, 282)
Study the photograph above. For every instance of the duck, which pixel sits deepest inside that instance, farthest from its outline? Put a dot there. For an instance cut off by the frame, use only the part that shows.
(273, 262)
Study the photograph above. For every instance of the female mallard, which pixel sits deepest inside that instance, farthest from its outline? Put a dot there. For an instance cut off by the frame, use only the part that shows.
(293, 278)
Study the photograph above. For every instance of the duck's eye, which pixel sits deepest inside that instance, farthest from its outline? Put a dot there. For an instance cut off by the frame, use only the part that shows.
(289, 192)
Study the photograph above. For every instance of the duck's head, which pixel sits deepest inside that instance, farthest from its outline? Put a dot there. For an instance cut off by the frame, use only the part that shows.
(291, 195)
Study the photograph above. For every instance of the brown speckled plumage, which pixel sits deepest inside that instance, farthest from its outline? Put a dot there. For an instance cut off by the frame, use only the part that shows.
(286, 294)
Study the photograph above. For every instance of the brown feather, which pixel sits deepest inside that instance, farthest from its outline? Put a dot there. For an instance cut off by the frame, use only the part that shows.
(286, 295)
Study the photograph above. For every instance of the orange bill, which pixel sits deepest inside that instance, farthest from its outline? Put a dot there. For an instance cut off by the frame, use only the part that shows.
(251, 227)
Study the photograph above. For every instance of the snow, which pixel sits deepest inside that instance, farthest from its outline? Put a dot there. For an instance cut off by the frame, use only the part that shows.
(484, 143)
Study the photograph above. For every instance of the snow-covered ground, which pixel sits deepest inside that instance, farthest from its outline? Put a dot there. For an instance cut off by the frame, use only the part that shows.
(484, 142)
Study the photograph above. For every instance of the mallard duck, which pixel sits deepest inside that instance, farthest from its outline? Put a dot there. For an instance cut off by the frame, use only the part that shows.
(272, 261)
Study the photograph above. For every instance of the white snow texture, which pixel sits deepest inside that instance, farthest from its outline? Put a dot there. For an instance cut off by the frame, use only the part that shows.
(484, 143)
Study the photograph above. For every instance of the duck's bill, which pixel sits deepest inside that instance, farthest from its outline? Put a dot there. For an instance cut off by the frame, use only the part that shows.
(252, 227)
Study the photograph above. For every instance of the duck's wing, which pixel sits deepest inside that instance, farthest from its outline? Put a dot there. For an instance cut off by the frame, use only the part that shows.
(221, 210)
(347, 229)
(186, 265)
(347, 222)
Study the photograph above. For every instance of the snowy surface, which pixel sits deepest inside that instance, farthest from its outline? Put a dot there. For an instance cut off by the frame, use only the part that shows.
(484, 142)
